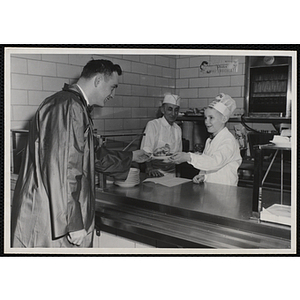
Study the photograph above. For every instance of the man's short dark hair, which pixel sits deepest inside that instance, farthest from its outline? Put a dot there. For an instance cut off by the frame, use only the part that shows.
(101, 66)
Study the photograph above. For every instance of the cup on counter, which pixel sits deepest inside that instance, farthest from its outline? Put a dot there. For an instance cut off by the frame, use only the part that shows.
(132, 179)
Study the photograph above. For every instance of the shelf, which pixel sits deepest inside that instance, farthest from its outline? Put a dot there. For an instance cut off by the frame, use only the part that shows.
(268, 95)
(260, 119)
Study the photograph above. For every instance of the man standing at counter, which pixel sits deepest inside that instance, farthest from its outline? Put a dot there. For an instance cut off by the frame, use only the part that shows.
(54, 199)
(163, 137)
(221, 156)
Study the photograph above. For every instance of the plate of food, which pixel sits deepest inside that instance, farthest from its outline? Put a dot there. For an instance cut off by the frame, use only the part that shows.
(162, 153)
(162, 157)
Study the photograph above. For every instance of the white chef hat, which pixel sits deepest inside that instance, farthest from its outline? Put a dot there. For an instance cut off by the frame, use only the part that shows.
(172, 99)
(224, 104)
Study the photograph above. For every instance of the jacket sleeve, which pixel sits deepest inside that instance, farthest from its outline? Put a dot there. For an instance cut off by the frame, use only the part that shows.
(62, 140)
(149, 141)
(113, 163)
(180, 140)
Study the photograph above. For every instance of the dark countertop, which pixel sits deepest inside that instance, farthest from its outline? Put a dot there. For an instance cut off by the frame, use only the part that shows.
(179, 214)
(209, 198)
(188, 216)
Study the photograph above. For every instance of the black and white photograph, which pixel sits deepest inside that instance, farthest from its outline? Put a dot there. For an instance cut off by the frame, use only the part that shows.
(151, 151)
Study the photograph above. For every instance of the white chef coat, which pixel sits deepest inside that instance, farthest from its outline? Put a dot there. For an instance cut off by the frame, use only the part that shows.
(158, 133)
(220, 159)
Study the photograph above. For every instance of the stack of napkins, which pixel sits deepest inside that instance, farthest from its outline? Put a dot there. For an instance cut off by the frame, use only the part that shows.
(277, 213)
(133, 178)
(281, 140)
(286, 132)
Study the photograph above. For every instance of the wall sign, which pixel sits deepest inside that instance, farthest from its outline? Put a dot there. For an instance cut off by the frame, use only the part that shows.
(223, 67)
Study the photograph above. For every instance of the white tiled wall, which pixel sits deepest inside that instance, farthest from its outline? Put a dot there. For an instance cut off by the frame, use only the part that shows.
(198, 88)
(144, 81)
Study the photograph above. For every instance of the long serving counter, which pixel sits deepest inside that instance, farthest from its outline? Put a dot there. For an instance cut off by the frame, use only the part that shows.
(189, 216)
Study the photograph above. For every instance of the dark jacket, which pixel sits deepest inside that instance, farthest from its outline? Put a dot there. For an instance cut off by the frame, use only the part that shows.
(55, 191)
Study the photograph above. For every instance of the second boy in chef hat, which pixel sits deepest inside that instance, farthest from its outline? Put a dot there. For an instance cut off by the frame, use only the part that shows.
(221, 156)
(163, 136)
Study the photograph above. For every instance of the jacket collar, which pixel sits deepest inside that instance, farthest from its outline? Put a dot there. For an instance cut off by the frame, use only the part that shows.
(165, 122)
(78, 91)
(219, 135)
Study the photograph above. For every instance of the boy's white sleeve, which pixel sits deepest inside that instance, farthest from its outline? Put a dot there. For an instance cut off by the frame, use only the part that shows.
(219, 159)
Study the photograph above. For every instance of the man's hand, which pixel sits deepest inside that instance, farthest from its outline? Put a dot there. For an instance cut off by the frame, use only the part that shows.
(198, 178)
(154, 173)
(180, 157)
(140, 156)
(76, 237)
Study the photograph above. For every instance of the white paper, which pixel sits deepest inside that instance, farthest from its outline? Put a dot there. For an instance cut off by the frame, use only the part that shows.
(277, 213)
(167, 180)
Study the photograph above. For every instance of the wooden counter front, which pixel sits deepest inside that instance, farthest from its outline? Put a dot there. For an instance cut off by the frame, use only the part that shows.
(188, 215)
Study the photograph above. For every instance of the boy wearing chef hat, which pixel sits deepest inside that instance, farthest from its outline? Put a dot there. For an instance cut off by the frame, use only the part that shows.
(163, 137)
(221, 156)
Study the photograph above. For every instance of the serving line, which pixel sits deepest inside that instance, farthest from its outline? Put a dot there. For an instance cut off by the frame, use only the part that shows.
(188, 215)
